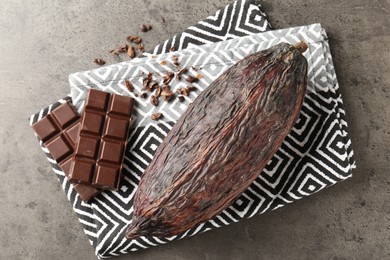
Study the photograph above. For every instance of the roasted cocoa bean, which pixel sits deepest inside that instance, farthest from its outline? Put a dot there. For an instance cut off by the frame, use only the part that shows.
(154, 100)
(191, 79)
(156, 116)
(181, 98)
(134, 38)
(131, 52)
(129, 86)
(99, 61)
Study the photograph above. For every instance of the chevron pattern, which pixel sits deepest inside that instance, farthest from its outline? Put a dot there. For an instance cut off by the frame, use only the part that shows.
(315, 155)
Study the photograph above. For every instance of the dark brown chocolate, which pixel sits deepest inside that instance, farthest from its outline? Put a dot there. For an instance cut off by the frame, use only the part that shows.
(102, 141)
(59, 131)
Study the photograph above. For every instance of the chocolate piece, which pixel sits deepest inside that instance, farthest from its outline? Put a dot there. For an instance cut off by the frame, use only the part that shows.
(102, 140)
(59, 131)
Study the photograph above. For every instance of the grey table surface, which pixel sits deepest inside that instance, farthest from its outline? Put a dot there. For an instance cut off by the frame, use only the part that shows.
(42, 42)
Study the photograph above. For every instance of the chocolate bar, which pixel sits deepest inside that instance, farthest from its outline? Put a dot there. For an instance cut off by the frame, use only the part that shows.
(101, 144)
(59, 131)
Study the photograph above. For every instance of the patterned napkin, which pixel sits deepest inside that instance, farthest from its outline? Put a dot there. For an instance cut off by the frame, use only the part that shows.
(316, 154)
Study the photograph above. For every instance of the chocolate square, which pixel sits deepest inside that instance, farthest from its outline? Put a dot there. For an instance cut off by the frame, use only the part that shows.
(111, 152)
(92, 123)
(59, 131)
(87, 147)
(96, 100)
(116, 128)
(45, 128)
(82, 171)
(106, 176)
(59, 148)
(64, 115)
(121, 105)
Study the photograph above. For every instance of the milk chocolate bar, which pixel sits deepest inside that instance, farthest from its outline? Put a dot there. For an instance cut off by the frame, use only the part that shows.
(58, 132)
(101, 144)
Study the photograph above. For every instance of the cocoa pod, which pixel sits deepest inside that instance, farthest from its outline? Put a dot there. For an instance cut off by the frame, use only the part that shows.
(221, 142)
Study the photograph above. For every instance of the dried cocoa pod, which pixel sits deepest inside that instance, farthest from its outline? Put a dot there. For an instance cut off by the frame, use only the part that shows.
(221, 142)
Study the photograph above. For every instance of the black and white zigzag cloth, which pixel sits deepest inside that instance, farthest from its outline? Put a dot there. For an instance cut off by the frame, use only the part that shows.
(315, 155)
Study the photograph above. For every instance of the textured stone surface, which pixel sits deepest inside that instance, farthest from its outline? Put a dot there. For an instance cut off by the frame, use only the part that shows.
(41, 42)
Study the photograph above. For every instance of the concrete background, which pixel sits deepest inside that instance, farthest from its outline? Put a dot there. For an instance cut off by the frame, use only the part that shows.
(41, 42)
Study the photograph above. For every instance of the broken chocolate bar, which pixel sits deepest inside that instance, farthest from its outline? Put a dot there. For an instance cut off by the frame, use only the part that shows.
(59, 131)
